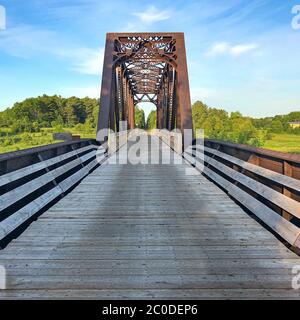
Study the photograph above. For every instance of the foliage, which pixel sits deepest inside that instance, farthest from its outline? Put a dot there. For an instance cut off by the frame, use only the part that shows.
(140, 118)
(279, 123)
(218, 124)
(12, 142)
(32, 114)
(33, 121)
(151, 120)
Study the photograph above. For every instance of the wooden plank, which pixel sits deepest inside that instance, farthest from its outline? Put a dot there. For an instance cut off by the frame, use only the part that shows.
(132, 231)
(18, 218)
(288, 204)
(281, 179)
(284, 228)
(21, 173)
(287, 171)
(149, 294)
(145, 282)
(15, 220)
(17, 194)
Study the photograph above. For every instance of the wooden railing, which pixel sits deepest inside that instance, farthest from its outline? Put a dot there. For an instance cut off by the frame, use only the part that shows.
(265, 182)
(32, 179)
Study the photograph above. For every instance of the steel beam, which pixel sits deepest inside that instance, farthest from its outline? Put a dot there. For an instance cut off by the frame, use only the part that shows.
(106, 101)
(184, 112)
(138, 65)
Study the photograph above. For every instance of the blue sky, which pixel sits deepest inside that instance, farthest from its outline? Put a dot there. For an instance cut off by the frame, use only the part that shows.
(242, 55)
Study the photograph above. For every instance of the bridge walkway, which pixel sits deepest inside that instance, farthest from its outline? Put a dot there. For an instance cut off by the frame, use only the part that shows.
(147, 231)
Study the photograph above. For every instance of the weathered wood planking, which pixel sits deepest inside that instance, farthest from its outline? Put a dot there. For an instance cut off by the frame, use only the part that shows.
(281, 179)
(147, 231)
(287, 230)
(82, 158)
(18, 174)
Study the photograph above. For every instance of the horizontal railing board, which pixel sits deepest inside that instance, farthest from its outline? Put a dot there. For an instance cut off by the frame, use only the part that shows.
(18, 218)
(287, 230)
(281, 226)
(281, 179)
(67, 183)
(17, 194)
(276, 155)
(85, 158)
(23, 172)
(268, 193)
(41, 149)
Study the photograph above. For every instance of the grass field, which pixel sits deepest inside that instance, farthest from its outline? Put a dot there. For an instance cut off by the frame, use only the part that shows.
(29, 140)
(284, 142)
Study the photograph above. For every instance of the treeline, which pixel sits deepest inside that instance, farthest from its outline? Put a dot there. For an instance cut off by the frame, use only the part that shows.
(279, 123)
(33, 114)
(56, 112)
(151, 120)
(45, 111)
(139, 117)
(219, 124)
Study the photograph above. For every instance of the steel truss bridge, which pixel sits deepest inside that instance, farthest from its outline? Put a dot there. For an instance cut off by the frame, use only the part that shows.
(145, 67)
(75, 225)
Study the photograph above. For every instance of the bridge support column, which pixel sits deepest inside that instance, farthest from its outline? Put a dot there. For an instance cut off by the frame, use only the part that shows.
(159, 117)
(107, 92)
(131, 113)
(184, 110)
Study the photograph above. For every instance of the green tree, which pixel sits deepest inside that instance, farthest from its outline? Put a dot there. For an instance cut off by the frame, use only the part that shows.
(139, 118)
(276, 126)
(151, 120)
(217, 124)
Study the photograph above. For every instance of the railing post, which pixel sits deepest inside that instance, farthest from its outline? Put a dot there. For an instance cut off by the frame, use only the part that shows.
(287, 171)
(254, 159)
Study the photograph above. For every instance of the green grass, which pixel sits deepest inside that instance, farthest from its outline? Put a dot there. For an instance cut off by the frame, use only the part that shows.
(25, 141)
(284, 142)
(83, 135)
(13, 142)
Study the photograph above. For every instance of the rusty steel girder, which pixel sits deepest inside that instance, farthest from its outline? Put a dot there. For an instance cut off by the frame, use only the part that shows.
(150, 67)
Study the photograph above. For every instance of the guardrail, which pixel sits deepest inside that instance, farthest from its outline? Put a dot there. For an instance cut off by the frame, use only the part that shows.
(265, 182)
(32, 179)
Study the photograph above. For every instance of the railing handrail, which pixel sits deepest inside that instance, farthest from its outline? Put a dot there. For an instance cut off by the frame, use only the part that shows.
(265, 182)
(25, 152)
(36, 178)
(261, 151)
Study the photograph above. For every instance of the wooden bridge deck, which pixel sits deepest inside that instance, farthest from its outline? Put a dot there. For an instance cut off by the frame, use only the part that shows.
(147, 231)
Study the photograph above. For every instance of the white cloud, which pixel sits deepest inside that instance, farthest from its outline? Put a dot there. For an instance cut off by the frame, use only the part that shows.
(242, 48)
(221, 48)
(2, 18)
(26, 42)
(84, 60)
(152, 15)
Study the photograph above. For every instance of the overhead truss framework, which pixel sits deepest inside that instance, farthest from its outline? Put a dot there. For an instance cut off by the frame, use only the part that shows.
(145, 67)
